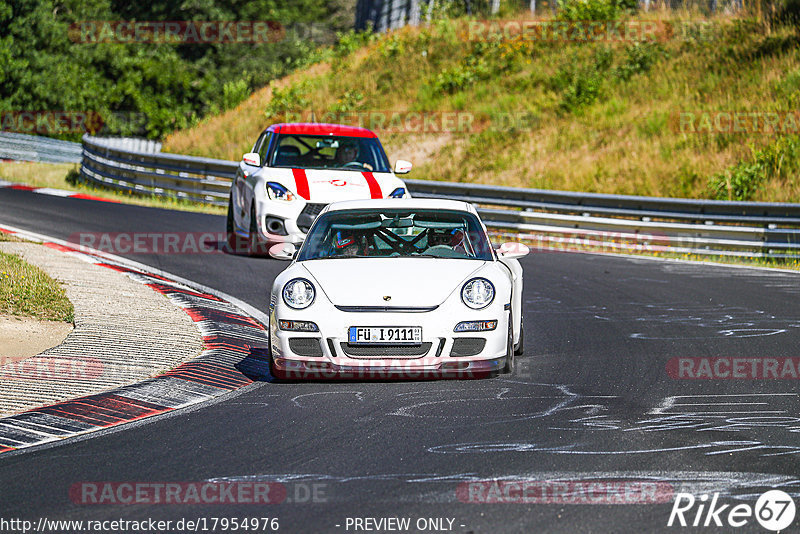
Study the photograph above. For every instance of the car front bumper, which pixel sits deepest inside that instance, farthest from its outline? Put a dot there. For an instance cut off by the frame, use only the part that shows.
(293, 218)
(442, 354)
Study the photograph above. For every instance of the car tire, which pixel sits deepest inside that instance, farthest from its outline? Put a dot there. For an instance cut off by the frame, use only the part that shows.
(253, 246)
(519, 350)
(508, 369)
(235, 245)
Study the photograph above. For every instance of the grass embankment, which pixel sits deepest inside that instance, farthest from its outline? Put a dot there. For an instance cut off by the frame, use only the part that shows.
(56, 175)
(26, 291)
(596, 116)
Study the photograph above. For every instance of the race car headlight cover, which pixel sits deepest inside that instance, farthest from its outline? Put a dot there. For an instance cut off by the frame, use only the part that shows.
(299, 293)
(477, 293)
(278, 192)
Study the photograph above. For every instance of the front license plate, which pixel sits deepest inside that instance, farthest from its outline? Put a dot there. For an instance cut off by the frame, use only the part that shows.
(411, 335)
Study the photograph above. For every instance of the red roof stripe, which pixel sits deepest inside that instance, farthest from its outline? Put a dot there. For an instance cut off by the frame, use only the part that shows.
(318, 128)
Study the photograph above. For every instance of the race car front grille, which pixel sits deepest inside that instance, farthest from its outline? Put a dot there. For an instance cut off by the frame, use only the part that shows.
(305, 346)
(386, 351)
(467, 346)
(307, 216)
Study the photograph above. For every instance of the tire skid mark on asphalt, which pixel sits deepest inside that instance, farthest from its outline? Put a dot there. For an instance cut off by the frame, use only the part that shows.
(685, 319)
(443, 486)
(359, 395)
(231, 339)
(738, 415)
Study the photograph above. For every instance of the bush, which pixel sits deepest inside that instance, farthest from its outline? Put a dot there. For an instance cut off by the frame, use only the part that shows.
(461, 76)
(350, 41)
(582, 85)
(349, 101)
(585, 10)
(742, 181)
(234, 92)
(787, 12)
(73, 177)
(640, 57)
(290, 99)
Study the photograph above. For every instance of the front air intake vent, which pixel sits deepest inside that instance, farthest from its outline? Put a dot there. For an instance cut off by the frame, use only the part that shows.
(305, 346)
(467, 346)
(386, 351)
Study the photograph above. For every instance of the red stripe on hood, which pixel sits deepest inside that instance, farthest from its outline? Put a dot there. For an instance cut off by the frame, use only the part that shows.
(374, 188)
(301, 180)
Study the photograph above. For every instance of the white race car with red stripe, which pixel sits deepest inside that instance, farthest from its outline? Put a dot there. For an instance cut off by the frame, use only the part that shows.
(294, 171)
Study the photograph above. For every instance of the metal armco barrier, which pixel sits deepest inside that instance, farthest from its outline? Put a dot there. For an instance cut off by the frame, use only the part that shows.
(550, 219)
(155, 173)
(22, 147)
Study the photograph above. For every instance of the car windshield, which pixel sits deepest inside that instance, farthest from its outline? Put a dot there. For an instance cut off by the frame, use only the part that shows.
(329, 152)
(397, 233)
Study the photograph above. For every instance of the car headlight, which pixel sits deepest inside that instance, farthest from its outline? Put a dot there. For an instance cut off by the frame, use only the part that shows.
(477, 293)
(276, 191)
(298, 293)
(400, 192)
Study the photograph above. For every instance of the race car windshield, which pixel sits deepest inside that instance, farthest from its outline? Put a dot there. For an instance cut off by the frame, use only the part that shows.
(359, 154)
(397, 233)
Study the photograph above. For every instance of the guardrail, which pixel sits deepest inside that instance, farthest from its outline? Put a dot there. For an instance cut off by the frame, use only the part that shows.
(155, 173)
(549, 219)
(23, 147)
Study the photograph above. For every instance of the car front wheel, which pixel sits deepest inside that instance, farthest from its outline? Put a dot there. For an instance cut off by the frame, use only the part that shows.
(509, 367)
(520, 348)
(235, 243)
(254, 248)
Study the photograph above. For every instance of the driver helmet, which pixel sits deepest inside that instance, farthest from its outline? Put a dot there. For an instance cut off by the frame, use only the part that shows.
(347, 151)
(456, 237)
(438, 237)
(450, 238)
(342, 240)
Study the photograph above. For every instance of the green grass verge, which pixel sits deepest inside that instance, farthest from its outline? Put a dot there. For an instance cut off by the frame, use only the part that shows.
(8, 237)
(27, 291)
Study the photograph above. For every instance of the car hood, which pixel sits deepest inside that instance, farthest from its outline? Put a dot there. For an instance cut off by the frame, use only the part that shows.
(327, 185)
(410, 282)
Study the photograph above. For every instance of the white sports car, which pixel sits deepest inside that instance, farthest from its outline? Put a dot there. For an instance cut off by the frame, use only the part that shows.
(295, 170)
(407, 288)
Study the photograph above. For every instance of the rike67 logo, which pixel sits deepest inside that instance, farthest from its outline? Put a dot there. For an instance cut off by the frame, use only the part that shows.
(774, 510)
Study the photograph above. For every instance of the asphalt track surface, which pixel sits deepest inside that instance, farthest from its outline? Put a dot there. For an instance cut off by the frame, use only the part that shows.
(591, 400)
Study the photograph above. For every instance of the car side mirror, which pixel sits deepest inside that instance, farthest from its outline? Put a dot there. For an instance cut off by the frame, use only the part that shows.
(402, 166)
(252, 158)
(283, 251)
(512, 251)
